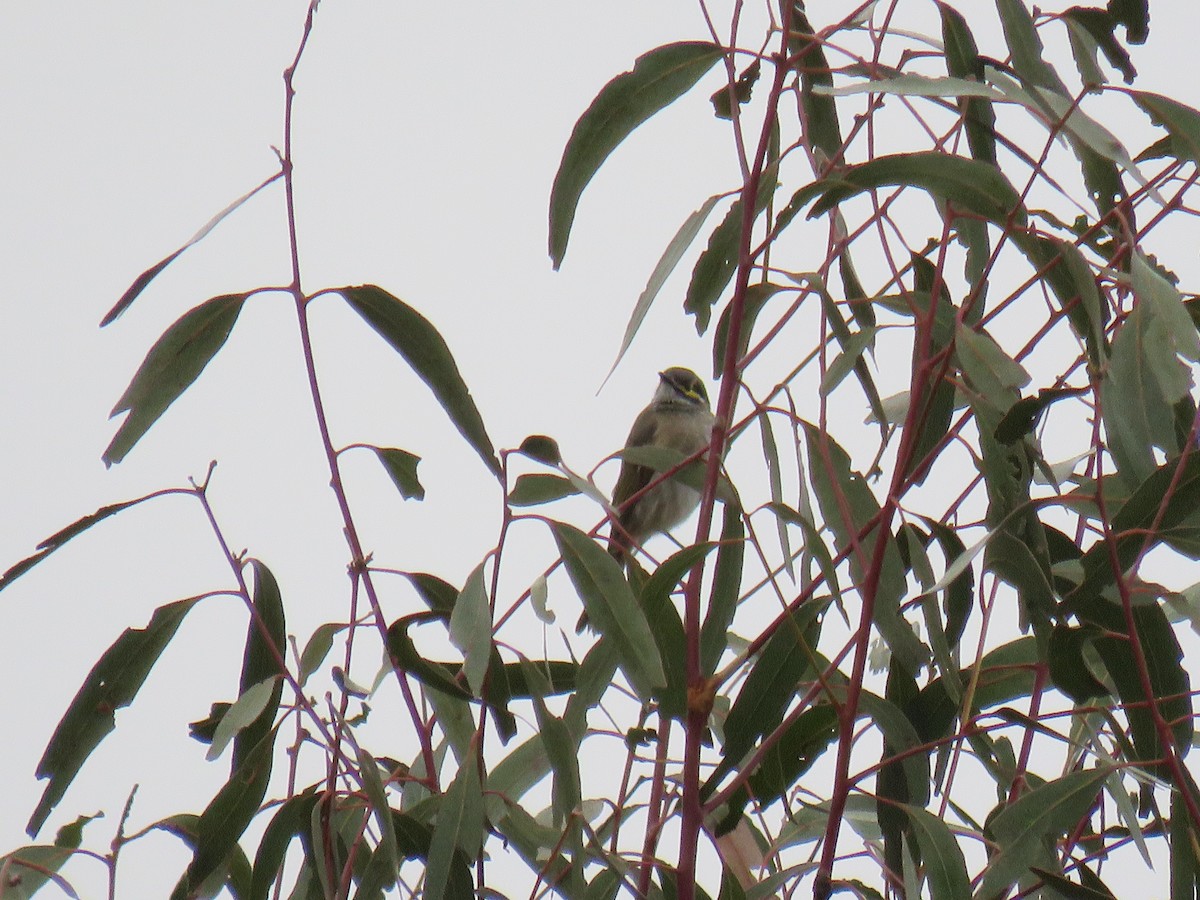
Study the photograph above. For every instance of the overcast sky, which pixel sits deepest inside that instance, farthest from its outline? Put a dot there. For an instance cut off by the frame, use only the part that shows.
(427, 136)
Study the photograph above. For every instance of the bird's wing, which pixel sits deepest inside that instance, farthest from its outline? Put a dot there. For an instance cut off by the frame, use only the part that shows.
(633, 477)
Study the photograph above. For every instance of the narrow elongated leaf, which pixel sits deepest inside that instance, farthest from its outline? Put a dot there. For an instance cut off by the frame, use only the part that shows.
(770, 687)
(173, 363)
(1043, 814)
(727, 581)
(471, 629)
(236, 804)
(317, 648)
(458, 830)
(140, 283)
(59, 538)
(414, 338)
(962, 61)
(847, 505)
(973, 186)
(658, 78)
(112, 684)
(718, 262)
(945, 866)
(561, 746)
(248, 707)
(611, 606)
(821, 127)
(662, 270)
(290, 820)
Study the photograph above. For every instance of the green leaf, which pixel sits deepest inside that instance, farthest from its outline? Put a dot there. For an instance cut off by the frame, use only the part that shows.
(1069, 670)
(847, 504)
(28, 869)
(406, 658)
(945, 867)
(725, 593)
(317, 649)
(112, 684)
(414, 337)
(757, 296)
(611, 607)
(236, 804)
(543, 448)
(471, 629)
(667, 626)
(248, 707)
(173, 363)
(799, 746)
(963, 61)
(458, 830)
(562, 750)
(662, 270)
(140, 283)
(532, 490)
(789, 654)
(291, 820)
(718, 262)
(821, 128)
(1182, 122)
(402, 468)
(973, 186)
(386, 859)
(1044, 814)
(659, 77)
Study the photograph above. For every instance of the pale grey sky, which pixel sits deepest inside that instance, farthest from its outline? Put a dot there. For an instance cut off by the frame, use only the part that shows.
(426, 139)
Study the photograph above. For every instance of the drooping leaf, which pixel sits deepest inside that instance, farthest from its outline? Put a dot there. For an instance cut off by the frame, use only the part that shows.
(611, 607)
(142, 281)
(562, 749)
(458, 832)
(962, 61)
(658, 78)
(716, 265)
(173, 363)
(402, 469)
(233, 808)
(59, 538)
(662, 270)
(945, 866)
(770, 687)
(471, 629)
(821, 128)
(290, 820)
(412, 336)
(111, 684)
(847, 505)
(726, 588)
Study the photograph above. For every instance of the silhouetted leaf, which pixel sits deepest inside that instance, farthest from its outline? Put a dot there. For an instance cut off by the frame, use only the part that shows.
(659, 77)
(173, 363)
(112, 684)
(458, 829)
(402, 468)
(414, 338)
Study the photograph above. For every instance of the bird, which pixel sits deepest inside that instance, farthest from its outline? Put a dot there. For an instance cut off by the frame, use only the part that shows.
(678, 418)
